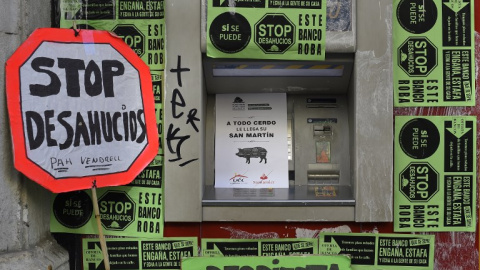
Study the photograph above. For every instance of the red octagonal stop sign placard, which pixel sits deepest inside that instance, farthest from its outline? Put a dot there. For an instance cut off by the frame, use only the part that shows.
(81, 109)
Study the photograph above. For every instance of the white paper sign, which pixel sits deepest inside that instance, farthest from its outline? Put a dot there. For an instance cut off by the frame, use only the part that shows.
(251, 141)
(92, 126)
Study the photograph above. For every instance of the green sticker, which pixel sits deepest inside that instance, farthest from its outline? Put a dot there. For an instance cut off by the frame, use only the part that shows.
(124, 211)
(434, 53)
(145, 37)
(268, 262)
(140, 23)
(266, 29)
(127, 253)
(135, 209)
(258, 247)
(435, 173)
(381, 251)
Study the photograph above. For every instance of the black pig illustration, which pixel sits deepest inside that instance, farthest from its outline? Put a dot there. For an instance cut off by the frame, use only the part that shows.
(254, 152)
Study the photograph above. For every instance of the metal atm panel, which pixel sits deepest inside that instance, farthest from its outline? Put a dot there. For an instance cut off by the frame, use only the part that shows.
(314, 102)
(355, 111)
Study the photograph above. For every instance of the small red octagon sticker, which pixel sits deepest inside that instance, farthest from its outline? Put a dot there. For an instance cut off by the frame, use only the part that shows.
(81, 109)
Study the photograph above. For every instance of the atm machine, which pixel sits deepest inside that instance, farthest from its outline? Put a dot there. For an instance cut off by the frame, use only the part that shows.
(350, 106)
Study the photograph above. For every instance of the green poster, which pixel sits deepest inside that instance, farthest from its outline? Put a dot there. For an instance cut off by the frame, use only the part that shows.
(266, 29)
(433, 53)
(139, 254)
(268, 262)
(435, 173)
(140, 23)
(381, 251)
(214, 247)
(135, 209)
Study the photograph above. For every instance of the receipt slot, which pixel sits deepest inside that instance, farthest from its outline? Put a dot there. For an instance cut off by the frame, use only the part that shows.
(340, 122)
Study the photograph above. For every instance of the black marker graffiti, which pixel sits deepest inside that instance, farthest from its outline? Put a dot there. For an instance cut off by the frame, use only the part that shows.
(84, 127)
(178, 103)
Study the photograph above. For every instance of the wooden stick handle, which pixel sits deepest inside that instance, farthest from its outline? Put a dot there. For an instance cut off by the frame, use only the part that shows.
(103, 243)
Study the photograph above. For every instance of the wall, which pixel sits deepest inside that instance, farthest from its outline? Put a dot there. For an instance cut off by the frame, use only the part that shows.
(24, 208)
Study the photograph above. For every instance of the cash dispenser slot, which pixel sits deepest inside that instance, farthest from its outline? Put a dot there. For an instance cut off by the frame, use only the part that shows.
(322, 103)
(318, 129)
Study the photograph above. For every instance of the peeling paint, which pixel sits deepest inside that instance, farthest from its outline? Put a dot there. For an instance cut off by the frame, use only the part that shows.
(374, 230)
(306, 233)
(25, 214)
(477, 56)
(309, 233)
(455, 250)
(339, 229)
(240, 234)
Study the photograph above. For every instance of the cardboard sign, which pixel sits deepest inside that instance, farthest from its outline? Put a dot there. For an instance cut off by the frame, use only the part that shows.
(81, 109)
(381, 251)
(141, 24)
(435, 173)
